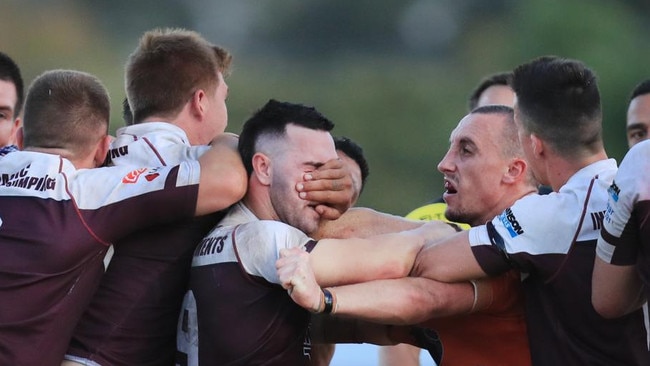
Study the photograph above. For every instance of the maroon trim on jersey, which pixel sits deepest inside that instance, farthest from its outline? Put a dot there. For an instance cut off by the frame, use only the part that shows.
(78, 212)
(253, 279)
(155, 151)
(575, 236)
(310, 245)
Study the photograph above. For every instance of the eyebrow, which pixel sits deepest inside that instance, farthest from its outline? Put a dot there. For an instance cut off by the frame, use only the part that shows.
(636, 126)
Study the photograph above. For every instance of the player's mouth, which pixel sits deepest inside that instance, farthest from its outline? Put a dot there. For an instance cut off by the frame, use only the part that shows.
(450, 188)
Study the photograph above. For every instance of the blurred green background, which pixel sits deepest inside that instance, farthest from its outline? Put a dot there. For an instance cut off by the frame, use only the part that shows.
(392, 75)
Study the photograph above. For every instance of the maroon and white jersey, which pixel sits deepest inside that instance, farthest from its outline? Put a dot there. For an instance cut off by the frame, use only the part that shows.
(132, 317)
(56, 223)
(551, 239)
(625, 237)
(236, 312)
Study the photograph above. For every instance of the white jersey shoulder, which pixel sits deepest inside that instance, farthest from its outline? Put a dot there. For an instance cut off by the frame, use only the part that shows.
(257, 243)
(158, 143)
(546, 224)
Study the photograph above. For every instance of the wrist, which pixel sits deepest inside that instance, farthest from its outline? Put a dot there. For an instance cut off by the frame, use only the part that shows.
(327, 303)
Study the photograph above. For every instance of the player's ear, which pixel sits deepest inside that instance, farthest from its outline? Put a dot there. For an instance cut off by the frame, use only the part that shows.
(516, 171)
(537, 145)
(20, 138)
(262, 168)
(102, 150)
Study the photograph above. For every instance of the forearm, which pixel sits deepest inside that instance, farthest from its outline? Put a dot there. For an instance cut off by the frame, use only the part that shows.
(346, 261)
(360, 222)
(616, 290)
(403, 301)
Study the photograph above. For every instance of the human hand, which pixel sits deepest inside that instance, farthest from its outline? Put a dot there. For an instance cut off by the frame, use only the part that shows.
(297, 277)
(331, 186)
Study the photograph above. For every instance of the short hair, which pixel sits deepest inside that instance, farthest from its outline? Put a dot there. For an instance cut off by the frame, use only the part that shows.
(558, 101)
(355, 152)
(500, 78)
(640, 89)
(508, 139)
(272, 120)
(127, 115)
(66, 109)
(9, 71)
(167, 67)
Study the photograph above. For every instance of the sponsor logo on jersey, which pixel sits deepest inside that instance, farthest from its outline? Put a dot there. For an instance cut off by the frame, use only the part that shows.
(211, 244)
(22, 179)
(608, 213)
(118, 151)
(133, 176)
(614, 191)
(510, 223)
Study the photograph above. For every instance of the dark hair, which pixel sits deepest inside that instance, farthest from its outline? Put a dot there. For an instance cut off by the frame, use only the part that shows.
(167, 67)
(272, 120)
(65, 109)
(9, 71)
(127, 115)
(500, 78)
(640, 89)
(558, 101)
(355, 152)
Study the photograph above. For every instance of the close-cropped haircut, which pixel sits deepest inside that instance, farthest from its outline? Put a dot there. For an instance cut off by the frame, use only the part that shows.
(640, 89)
(272, 120)
(509, 140)
(9, 71)
(167, 67)
(508, 136)
(500, 78)
(355, 152)
(558, 101)
(65, 109)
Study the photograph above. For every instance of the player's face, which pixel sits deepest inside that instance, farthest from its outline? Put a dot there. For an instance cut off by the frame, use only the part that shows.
(473, 169)
(218, 112)
(638, 120)
(8, 99)
(304, 150)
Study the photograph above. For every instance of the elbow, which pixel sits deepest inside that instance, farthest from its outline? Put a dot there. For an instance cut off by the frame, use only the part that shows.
(443, 272)
(607, 309)
(402, 266)
(234, 186)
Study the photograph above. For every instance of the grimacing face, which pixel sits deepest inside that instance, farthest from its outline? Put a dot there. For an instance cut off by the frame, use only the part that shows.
(303, 150)
(473, 169)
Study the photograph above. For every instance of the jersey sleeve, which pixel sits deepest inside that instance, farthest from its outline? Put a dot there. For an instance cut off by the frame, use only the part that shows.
(123, 199)
(259, 244)
(522, 234)
(619, 239)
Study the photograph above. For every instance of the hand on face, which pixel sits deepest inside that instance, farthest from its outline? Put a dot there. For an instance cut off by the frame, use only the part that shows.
(331, 185)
